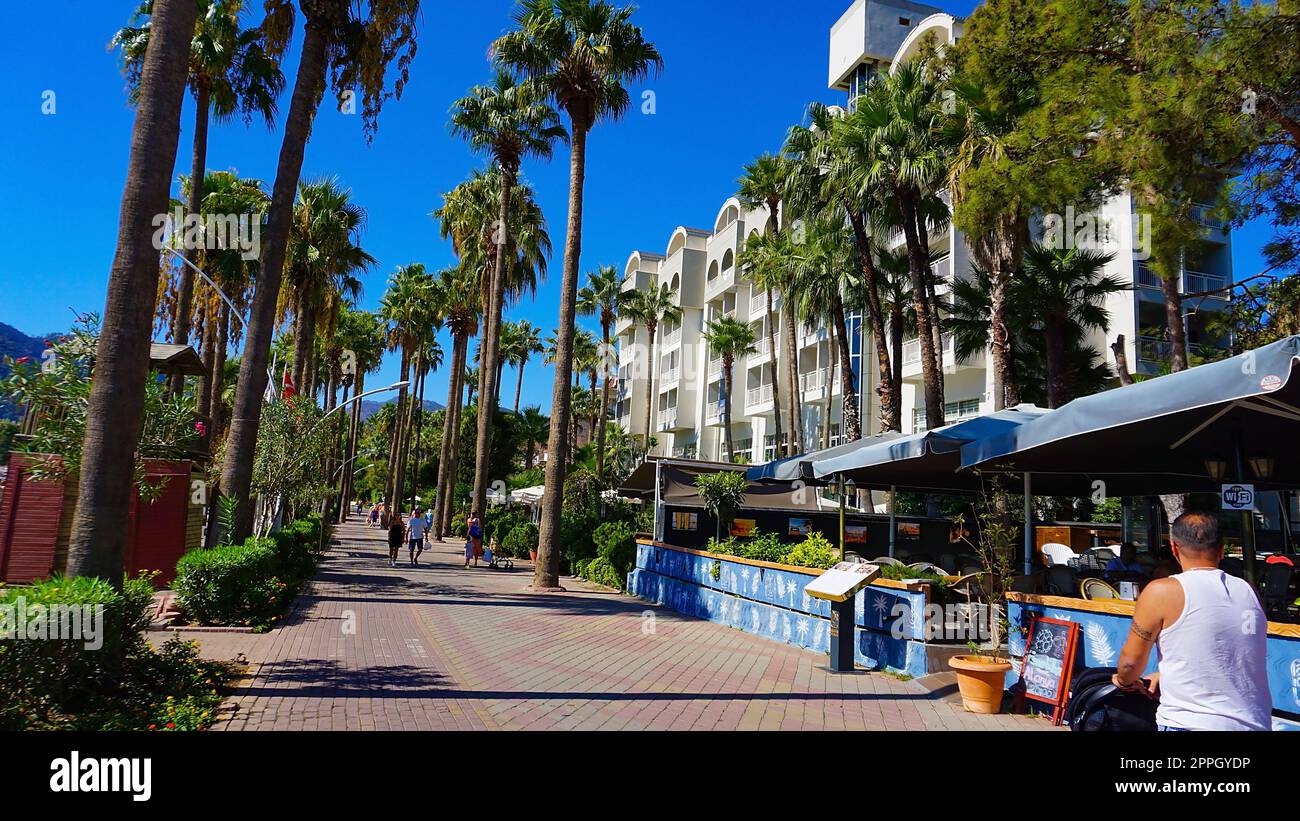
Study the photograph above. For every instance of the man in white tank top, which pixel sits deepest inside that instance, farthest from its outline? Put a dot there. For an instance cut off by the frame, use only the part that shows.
(1211, 636)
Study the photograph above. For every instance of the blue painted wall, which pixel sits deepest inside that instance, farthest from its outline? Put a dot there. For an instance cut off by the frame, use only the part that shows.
(770, 602)
(1101, 635)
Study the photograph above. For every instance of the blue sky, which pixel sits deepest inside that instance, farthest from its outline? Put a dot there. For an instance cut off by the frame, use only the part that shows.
(737, 75)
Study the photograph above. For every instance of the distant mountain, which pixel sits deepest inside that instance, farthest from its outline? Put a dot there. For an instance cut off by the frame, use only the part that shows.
(370, 408)
(16, 344)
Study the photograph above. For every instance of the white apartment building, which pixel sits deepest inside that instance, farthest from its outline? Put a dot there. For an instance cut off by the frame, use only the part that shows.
(700, 265)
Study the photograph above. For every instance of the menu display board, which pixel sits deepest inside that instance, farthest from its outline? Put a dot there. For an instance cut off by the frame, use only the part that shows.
(842, 581)
(1049, 660)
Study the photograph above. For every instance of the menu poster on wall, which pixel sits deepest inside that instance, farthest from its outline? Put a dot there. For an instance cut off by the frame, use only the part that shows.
(743, 528)
(683, 520)
(855, 534)
(800, 527)
(1049, 660)
(909, 530)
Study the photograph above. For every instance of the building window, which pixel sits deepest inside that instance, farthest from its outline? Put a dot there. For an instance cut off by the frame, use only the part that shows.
(952, 412)
(904, 21)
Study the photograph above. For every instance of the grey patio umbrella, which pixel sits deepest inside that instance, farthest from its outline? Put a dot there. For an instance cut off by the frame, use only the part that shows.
(1237, 419)
(799, 467)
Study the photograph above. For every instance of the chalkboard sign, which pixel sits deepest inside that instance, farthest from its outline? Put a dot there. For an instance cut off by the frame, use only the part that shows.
(1049, 659)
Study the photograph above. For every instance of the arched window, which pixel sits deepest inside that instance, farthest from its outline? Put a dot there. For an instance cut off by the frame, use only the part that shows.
(728, 260)
(713, 271)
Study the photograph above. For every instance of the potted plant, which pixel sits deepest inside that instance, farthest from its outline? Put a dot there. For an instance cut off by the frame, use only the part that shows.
(981, 673)
(723, 494)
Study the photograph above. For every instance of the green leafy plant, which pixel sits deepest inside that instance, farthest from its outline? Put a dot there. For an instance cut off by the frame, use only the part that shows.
(996, 549)
(814, 551)
(616, 543)
(521, 540)
(722, 492)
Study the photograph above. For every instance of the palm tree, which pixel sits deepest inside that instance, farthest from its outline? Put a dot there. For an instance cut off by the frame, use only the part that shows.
(534, 427)
(456, 299)
(817, 294)
(510, 121)
(582, 53)
(356, 42)
(114, 414)
(528, 342)
(603, 297)
(229, 74)
(897, 120)
(408, 307)
(1066, 289)
(996, 227)
(729, 338)
(770, 260)
(323, 258)
(362, 333)
(764, 183)
(588, 358)
(650, 307)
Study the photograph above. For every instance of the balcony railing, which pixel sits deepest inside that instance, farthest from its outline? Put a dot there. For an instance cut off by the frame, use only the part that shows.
(1194, 282)
(1155, 349)
(667, 419)
(712, 411)
(672, 337)
(760, 343)
(715, 366)
(670, 375)
(812, 381)
(912, 349)
(759, 395)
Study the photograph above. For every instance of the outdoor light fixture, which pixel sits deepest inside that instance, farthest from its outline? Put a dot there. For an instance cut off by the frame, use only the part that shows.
(1216, 468)
(1262, 466)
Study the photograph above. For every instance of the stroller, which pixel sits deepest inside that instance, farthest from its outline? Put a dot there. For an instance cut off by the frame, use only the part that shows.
(496, 559)
(1096, 705)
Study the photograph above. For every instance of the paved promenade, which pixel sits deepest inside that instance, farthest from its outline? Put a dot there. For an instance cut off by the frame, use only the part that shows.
(440, 647)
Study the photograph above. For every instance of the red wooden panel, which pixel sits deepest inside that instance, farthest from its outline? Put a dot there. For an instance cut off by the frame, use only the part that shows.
(156, 536)
(29, 524)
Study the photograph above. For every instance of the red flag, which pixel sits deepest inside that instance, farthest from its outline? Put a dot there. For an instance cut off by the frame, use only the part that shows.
(290, 391)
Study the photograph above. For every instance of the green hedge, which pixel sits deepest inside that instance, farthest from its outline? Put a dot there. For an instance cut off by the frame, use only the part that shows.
(616, 544)
(521, 540)
(234, 584)
(600, 571)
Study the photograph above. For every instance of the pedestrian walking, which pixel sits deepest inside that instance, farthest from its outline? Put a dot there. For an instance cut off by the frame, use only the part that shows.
(374, 515)
(474, 541)
(416, 532)
(396, 535)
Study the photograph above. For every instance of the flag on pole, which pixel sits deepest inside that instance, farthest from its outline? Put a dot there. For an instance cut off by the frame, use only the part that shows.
(290, 390)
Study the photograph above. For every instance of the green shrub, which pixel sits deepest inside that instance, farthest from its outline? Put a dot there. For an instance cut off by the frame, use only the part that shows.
(458, 526)
(616, 543)
(580, 568)
(763, 547)
(520, 540)
(235, 584)
(600, 571)
(295, 551)
(582, 492)
(576, 529)
(44, 676)
(814, 551)
(500, 520)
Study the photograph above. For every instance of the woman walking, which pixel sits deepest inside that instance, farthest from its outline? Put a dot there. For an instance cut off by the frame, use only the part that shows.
(474, 542)
(396, 535)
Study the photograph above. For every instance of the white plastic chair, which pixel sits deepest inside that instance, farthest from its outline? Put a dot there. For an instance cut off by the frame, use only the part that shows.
(1057, 553)
(1110, 551)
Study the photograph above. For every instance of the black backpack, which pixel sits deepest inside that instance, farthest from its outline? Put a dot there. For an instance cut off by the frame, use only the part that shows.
(1097, 705)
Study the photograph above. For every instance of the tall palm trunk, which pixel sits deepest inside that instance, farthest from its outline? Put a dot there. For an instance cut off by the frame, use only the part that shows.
(414, 447)
(895, 380)
(777, 429)
(350, 453)
(726, 408)
(888, 388)
(547, 574)
(237, 469)
(198, 168)
(113, 418)
(208, 380)
(918, 265)
(489, 385)
(449, 421)
(393, 492)
(304, 339)
(796, 390)
(849, 394)
(519, 384)
(650, 387)
(216, 401)
(591, 429)
(604, 399)
(1054, 337)
(830, 380)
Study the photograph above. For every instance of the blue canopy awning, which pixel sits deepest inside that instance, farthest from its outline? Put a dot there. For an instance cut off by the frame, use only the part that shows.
(1158, 433)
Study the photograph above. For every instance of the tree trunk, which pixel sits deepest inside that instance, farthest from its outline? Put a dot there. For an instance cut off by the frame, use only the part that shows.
(650, 386)
(444, 448)
(304, 339)
(895, 386)
(603, 421)
(519, 383)
(918, 265)
(1169, 287)
(203, 402)
(349, 457)
(792, 366)
(216, 409)
(237, 470)
(447, 468)
(1054, 337)
(830, 380)
(726, 408)
(849, 394)
(547, 575)
(1121, 361)
(777, 429)
(393, 495)
(489, 385)
(198, 168)
(114, 415)
(888, 389)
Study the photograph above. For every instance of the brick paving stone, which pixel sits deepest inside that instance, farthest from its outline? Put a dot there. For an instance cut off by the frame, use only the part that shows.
(442, 647)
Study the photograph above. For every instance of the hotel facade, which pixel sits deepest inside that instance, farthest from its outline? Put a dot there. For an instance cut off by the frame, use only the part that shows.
(684, 379)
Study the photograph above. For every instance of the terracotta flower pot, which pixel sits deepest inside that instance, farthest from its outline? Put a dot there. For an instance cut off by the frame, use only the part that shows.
(532, 554)
(981, 681)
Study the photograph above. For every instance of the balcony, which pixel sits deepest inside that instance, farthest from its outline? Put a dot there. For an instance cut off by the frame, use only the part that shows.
(912, 358)
(713, 413)
(1193, 282)
(715, 367)
(1153, 350)
(812, 381)
(760, 396)
(672, 338)
(667, 420)
(670, 376)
